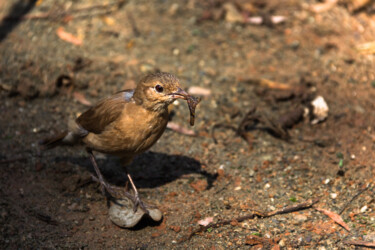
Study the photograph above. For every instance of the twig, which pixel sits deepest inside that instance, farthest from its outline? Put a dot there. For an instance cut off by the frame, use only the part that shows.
(259, 214)
(133, 24)
(43, 217)
(360, 243)
(367, 186)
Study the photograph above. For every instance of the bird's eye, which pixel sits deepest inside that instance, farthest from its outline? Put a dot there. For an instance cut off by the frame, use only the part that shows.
(159, 88)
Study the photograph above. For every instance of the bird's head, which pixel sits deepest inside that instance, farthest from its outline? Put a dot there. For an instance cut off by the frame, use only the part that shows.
(158, 90)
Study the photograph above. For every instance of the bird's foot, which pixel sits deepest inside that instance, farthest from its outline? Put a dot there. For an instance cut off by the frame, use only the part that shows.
(139, 203)
(107, 188)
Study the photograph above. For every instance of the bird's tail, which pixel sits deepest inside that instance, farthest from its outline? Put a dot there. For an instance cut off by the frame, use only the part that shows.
(53, 141)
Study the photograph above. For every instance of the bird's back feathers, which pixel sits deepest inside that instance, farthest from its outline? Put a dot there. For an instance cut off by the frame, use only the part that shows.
(97, 118)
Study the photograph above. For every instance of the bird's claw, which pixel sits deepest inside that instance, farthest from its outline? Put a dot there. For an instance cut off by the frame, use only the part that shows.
(138, 203)
(106, 188)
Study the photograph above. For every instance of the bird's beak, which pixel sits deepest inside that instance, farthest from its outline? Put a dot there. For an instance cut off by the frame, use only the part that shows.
(180, 93)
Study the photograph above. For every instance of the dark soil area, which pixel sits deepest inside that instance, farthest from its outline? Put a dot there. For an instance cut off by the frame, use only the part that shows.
(48, 199)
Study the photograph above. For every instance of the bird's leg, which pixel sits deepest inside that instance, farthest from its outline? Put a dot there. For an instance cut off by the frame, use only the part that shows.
(104, 186)
(136, 199)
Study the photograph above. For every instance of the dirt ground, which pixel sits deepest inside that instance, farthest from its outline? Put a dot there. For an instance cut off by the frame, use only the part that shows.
(48, 200)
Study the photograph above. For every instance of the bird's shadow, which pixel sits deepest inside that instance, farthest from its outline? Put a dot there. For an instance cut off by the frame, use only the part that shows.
(148, 170)
(18, 10)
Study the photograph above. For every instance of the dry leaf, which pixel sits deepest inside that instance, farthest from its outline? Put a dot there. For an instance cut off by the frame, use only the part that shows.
(81, 98)
(366, 48)
(278, 19)
(322, 7)
(179, 129)
(335, 217)
(266, 83)
(255, 20)
(68, 37)
(206, 221)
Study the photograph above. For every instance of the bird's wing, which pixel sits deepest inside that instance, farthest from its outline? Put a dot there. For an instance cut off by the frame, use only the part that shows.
(105, 112)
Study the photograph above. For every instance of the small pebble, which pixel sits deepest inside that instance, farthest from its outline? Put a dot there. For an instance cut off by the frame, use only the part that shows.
(121, 213)
(333, 195)
(251, 173)
(176, 52)
(363, 209)
(352, 156)
(300, 218)
(267, 186)
(326, 181)
(282, 243)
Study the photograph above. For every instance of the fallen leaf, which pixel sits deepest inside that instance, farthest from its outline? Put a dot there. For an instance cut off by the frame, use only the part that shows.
(255, 20)
(179, 129)
(81, 98)
(366, 48)
(266, 83)
(68, 37)
(335, 217)
(195, 90)
(322, 7)
(206, 221)
(278, 19)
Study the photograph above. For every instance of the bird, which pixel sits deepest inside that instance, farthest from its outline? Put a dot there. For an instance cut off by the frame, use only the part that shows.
(125, 124)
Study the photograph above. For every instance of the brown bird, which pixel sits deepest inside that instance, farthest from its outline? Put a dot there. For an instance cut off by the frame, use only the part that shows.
(125, 124)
